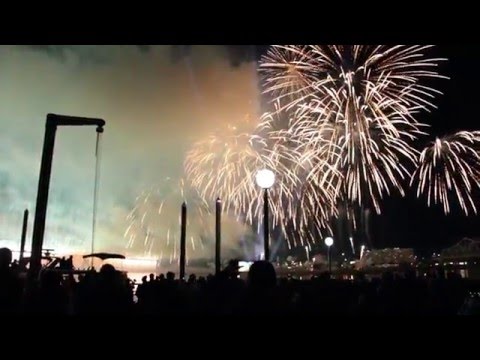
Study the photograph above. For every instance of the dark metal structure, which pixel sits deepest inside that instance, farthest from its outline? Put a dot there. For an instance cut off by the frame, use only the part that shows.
(183, 242)
(218, 229)
(53, 121)
(24, 235)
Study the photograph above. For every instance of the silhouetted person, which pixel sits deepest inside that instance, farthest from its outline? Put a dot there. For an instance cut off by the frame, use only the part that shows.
(51, 297)
(14, 266)
(141, 292)
(261, 285)
(262, 276)
(5, 258)
(231, 271)
(110, 292)
(63, 263)
(10, 285)
(69, 263)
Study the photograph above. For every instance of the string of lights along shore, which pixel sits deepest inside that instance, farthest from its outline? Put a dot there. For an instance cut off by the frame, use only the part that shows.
(340, 127)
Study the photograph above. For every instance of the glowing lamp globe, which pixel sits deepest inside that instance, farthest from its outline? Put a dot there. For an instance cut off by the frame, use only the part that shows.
(328, 241)
(265, 178)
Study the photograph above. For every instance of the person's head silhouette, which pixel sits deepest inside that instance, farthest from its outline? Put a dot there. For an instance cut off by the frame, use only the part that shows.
(262, 276)
(108, 271)
(5, 258)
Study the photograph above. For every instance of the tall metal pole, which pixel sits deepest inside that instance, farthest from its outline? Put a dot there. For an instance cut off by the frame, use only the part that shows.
(95, 191)
(183, 233)
(266, 243)
(42, 197)
(24, 235)
(218, 220)
(329, 260)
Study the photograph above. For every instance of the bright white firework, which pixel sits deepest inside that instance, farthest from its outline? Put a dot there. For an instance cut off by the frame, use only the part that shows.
(224, 166)
(305, 203)
(319, 68)
(357, 110)
(449, 170)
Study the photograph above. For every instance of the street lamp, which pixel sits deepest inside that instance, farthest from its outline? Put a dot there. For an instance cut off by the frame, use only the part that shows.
(265, 179)
(329, 243)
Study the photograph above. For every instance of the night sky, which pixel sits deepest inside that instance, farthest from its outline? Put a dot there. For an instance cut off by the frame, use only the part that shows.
(156, 101)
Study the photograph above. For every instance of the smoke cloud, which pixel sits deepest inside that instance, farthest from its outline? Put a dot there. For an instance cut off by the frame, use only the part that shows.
(156, 100)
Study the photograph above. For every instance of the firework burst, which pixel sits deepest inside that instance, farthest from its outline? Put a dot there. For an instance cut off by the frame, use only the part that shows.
(449, 170)
(357, 110)
(224, 165)
(304, 201)
(314, 70)
(341, 131)
(371, 157)
(154, 222)
(290, 74)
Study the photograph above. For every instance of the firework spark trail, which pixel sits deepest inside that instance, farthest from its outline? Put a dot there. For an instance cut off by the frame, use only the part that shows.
(154, 222)
(290, 75)
(307, 70)
(372, 156)
(305, 202)
(449, 169)
(223, 166)
(357, 105)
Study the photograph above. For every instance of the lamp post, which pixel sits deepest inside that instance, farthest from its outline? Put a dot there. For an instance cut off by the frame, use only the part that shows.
(265, 179)
(329, 243)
